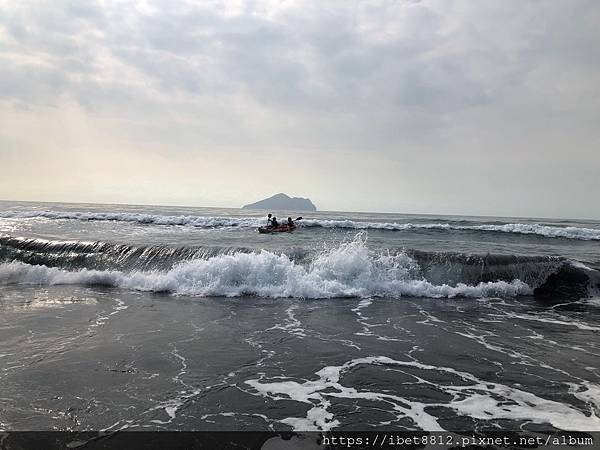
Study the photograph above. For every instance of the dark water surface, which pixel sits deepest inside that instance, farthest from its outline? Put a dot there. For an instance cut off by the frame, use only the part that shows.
(125, 317)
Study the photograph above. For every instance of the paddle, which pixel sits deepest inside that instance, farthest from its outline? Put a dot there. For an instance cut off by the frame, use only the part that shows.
(298, 218)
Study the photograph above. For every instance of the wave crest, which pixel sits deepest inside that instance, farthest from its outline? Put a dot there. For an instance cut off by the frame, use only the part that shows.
(550, 231)
(586, 234)
(148, 219)
(349, 270)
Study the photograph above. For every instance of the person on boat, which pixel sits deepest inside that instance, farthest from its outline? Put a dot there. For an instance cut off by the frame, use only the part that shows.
(269, 224)
(274, 223)
(290, 223)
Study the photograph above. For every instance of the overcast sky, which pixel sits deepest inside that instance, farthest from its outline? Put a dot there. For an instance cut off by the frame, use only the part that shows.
(467, 107)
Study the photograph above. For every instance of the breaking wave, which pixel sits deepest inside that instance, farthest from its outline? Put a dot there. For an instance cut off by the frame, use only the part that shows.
(549, 231)
(348, 270)
(586, 234)
(150, 219)
(101, 255)
(261, 274)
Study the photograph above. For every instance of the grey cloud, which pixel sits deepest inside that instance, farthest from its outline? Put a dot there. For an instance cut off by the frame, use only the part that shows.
(316, 63)
(403, 80)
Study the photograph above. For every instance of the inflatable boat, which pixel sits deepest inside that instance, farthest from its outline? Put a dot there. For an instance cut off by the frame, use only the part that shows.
(280, 229)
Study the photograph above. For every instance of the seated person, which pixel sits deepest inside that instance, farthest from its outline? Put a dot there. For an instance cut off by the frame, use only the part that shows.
(274, 223)
(290, 223)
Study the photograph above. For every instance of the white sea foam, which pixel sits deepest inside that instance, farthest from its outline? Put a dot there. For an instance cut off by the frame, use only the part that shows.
(571, 323)
(587, 392)
(477, 398)
(292, 325)
(153, 219)
(349, 270)
(585, 234)
(579, 233)
(594, 301)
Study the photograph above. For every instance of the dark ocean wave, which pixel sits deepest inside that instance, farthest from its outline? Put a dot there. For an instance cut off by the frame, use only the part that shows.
(208, 222)
(102, 255)
(348, 270)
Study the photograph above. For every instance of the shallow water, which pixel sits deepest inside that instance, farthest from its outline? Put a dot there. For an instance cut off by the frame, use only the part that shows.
(114, 324)
(87, 358)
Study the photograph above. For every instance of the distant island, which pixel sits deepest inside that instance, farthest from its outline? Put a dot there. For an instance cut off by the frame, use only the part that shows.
(283, 202)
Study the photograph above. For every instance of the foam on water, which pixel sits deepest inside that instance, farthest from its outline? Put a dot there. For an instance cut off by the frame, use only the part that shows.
(585, 234)
(519, 228)
(569, 232)
(152, 219)
(595, 301)
(349, 270)
(475, 398)
(291, 325)
(539, 318)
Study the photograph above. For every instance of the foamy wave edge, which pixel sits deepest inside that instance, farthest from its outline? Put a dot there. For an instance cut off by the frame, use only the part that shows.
(347, 271)
(148, 219)
(578, 233)
(586, 234)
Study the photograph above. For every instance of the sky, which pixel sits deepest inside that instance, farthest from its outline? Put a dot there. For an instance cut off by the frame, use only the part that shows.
(451, 106)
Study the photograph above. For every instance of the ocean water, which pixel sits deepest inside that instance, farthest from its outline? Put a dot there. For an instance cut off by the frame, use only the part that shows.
(168, 318)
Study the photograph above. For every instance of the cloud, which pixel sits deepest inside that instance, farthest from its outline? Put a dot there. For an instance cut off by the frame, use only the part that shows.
(428, 83)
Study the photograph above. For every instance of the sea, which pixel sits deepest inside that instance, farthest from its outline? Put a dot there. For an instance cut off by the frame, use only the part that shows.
(123, 317)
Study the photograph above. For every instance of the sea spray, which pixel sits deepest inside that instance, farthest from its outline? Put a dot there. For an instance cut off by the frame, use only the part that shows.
(347, 270)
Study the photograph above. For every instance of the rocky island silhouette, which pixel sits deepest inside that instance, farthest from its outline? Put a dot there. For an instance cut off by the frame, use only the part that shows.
(283, 202)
